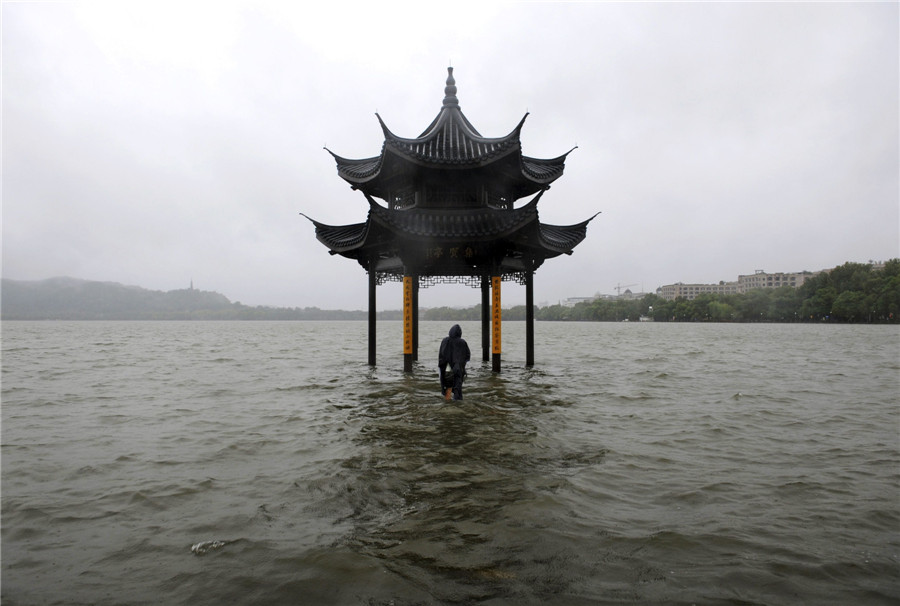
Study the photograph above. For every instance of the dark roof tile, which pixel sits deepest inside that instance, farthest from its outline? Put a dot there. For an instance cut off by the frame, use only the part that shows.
(450, 141)
(454, 224)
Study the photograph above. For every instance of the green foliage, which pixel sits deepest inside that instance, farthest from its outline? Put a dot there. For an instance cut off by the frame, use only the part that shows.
(719, 311)
(852, 292)
(449, 314)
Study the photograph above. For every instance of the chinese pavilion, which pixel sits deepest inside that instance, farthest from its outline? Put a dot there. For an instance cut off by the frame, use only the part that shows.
(449, 215)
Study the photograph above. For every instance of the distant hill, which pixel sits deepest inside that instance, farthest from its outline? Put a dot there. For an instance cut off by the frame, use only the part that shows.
(73, 299)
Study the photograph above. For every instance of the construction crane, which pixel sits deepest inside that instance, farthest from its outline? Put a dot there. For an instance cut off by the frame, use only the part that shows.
(619, 288)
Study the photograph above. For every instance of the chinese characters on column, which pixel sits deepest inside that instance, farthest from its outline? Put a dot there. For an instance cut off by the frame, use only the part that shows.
(495, 314)
(407, 315)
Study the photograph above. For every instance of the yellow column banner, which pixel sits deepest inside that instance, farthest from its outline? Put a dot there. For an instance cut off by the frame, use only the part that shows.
(407, 315)
(495, 314)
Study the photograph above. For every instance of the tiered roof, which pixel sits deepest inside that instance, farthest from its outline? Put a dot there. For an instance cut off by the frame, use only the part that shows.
(451, 143)
(451, 155)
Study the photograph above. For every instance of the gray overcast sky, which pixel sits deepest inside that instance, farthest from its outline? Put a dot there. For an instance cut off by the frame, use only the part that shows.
(152, 143)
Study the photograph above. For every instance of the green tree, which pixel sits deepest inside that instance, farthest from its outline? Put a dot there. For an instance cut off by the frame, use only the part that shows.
(684, 310)
(663, 310)
(850, 306)
(784, 304)
(721, 312)
(818, 305)
(850, 276)
(887, 299)
(754, 305)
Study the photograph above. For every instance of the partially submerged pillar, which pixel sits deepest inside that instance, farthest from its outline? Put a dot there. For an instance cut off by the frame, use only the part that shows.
(407, 324)
(485, 318)
(529, 318)
(373, 280)
(496, 324)
(415, 318)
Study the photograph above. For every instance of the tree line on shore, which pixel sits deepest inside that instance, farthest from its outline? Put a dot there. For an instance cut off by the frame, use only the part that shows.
(853, 292)
(849, 293)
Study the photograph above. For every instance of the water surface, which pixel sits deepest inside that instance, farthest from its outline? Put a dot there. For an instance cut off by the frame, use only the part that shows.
(266, 463)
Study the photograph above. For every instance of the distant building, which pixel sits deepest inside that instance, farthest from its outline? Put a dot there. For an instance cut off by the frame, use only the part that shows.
(671, 292)
(625, 296)
(761, 279)
(745, 283)
(628, 295)
(573, 301)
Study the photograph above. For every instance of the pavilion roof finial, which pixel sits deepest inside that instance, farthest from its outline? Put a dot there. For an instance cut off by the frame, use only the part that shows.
(450, 99)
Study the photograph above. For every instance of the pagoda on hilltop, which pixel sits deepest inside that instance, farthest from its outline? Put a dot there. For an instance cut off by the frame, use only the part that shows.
(447, 214)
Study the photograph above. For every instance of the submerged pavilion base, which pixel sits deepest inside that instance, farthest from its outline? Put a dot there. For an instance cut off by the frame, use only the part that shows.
(491, 320)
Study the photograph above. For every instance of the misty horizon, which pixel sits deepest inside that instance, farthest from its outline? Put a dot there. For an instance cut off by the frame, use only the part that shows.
(514, 295)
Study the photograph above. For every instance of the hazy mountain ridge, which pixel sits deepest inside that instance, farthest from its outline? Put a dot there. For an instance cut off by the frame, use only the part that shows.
(65, 298)
(73, 299)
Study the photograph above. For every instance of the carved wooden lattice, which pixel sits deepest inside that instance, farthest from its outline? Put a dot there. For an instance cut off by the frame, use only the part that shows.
(383, 277)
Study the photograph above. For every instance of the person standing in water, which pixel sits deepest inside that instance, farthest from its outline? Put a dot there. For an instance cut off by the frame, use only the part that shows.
(452, 358)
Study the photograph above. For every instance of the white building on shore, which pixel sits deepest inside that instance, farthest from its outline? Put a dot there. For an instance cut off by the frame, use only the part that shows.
(626, 295)
(744, 283)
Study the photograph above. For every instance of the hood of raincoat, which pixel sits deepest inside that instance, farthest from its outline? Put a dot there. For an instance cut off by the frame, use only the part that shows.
(455, 331)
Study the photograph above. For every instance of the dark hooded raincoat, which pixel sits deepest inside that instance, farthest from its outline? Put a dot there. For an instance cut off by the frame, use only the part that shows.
(454, 352)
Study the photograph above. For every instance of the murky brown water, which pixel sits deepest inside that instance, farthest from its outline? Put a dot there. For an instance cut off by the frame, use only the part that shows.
(636, 463)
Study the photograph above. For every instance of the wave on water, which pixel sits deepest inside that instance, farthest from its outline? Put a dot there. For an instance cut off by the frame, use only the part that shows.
(204, 547)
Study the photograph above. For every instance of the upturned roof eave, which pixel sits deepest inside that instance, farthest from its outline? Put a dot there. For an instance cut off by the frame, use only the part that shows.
(341, 239)
(563, 238)
(358, 170)
(445, 115)
(541, 240)
(352, 170)
(557, 160)
(452, 142)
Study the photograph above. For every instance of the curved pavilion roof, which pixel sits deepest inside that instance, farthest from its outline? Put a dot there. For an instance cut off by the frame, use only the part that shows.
(451, 143)
(444, 238)
(387, 231)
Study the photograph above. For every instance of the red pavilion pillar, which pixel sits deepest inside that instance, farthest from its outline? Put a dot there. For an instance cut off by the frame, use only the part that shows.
(496, 324)
(407, 323)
